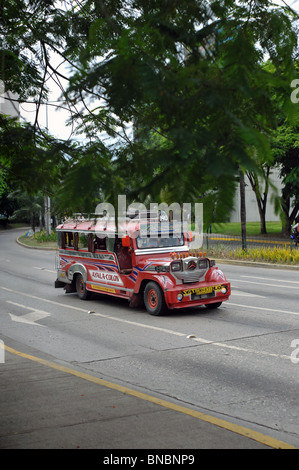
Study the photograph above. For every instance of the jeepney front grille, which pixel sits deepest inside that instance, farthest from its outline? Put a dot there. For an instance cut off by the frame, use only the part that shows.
(190, 277)
(193, 270)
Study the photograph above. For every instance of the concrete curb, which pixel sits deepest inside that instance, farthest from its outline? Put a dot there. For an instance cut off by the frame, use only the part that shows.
(257, 264)
(34, 247)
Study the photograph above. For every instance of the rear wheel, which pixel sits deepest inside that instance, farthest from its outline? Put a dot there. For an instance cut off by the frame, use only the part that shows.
(82, 292)
(154, 299)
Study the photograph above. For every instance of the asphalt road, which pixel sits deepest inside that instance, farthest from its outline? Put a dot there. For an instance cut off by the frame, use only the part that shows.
(118, 378)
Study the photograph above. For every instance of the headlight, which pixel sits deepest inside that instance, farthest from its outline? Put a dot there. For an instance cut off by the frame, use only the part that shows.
(162, 269)
(180, 297)
(203, 263)
(176, 266)
(223, 290)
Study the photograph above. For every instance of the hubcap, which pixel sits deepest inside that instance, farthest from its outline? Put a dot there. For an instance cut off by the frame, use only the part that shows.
(152, 298)
(81, 286)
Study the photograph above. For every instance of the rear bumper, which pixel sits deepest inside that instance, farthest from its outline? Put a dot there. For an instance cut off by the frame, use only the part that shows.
(59, 283)
(196, 295)
(62, 279)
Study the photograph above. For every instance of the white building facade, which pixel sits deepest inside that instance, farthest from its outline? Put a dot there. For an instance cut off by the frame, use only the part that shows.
(252, 213)
(8, 102)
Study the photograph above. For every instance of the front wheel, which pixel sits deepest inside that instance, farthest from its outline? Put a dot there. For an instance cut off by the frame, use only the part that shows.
(214, 305)
(82, 292)
(154, 299)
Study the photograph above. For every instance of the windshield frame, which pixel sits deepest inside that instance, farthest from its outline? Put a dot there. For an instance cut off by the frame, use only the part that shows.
(164, 241)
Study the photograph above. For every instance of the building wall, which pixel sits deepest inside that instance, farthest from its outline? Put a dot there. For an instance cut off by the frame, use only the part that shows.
(252, 213)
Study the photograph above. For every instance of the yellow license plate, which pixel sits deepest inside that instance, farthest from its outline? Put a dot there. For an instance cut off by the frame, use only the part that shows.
(202, 290)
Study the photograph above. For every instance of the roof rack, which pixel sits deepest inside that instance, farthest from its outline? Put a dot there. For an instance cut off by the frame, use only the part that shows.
(143, 215)
(137, 215)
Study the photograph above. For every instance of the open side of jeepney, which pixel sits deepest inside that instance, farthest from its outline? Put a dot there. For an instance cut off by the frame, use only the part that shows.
(153, 268)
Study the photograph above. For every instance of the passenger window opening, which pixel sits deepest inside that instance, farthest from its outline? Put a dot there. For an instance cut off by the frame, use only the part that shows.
(123, 256)
(100, 243)
(82, 242)
(66, 240)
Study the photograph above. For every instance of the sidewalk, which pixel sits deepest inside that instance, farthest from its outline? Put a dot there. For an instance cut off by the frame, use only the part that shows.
(42, 407)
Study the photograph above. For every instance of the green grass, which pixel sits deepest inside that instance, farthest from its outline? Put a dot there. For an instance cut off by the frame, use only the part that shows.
(33, 242)
(252, 229)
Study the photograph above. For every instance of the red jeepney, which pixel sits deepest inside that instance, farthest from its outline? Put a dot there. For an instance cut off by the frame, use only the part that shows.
(159, 271)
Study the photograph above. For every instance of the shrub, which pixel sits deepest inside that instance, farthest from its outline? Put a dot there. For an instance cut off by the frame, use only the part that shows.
(42, 236)
(268, 254)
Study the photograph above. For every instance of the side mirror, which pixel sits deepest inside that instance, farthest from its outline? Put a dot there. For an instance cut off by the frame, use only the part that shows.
(125, 241)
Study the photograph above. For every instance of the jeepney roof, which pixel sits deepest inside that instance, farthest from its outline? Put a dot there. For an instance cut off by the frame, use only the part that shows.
(101, 227)
(87, 226)
(125, 225)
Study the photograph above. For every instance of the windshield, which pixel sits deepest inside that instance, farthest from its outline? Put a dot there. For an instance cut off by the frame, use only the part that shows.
(160, 241)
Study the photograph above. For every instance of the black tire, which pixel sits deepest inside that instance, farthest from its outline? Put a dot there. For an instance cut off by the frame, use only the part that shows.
(154, 299)
(213, 306)
(82, 292)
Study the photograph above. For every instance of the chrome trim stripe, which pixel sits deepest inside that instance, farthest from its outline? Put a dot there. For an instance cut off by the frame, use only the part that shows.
(167, 249)
(87, 254)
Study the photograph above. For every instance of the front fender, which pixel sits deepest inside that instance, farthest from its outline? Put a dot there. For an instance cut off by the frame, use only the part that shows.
(215, 275)
(163, 280)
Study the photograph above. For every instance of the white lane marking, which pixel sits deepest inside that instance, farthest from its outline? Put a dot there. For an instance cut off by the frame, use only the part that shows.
(202, 340)
(45, 269)
(43, 300)
(244, 294)
(30, 318)
(239, 348)
(164, 330)
(265, 284)
(266, 309)
(270, 279)
(107, 316)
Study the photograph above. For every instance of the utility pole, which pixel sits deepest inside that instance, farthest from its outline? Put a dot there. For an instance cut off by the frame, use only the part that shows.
(47, 201)
(242, 209)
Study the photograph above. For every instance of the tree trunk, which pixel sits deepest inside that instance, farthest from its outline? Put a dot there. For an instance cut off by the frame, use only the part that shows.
(32, 221)
(288, 218)
(260, 199)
